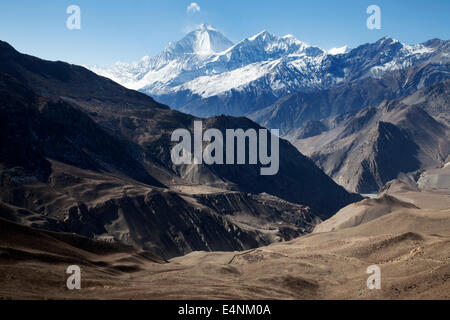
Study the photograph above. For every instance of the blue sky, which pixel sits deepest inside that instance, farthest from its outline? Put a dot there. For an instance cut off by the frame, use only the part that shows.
(127, 30)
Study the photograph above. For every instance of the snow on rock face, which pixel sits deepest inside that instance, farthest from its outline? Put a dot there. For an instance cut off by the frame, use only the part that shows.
(203, 40)
(341, 50)
(190, 53)
(208, 86)
(406, 56)
(204, 59)
(205, 63)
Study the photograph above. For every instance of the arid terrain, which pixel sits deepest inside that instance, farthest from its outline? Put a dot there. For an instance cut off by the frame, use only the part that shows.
(405, 231)
(87, 178)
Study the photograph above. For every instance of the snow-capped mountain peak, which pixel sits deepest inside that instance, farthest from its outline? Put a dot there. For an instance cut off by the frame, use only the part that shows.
(191, 73)
(205, 39)
(266, 46)
(261, 35)
(340, 50)
(388, 40)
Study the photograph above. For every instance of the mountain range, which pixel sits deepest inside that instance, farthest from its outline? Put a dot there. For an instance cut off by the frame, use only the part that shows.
(82, 154)
(86, 175)
(311, 95)
(292, 111)
(205, 74)
(365, 150)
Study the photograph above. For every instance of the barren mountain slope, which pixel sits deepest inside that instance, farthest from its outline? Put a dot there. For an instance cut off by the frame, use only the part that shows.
(363, 151)
(144, 127)
(101, 167)
(292, 111)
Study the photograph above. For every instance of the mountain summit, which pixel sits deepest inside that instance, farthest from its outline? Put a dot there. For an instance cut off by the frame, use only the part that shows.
(206, 52)
(195, 73)
(205, 39)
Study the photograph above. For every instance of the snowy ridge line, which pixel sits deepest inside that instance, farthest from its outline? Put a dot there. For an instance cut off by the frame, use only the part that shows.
(205, 64)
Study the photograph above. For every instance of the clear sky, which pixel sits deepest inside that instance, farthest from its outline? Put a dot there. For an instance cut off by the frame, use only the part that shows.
(119, 30)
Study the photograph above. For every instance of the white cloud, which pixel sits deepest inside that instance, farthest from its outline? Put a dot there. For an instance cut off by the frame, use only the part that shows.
(193, 7)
